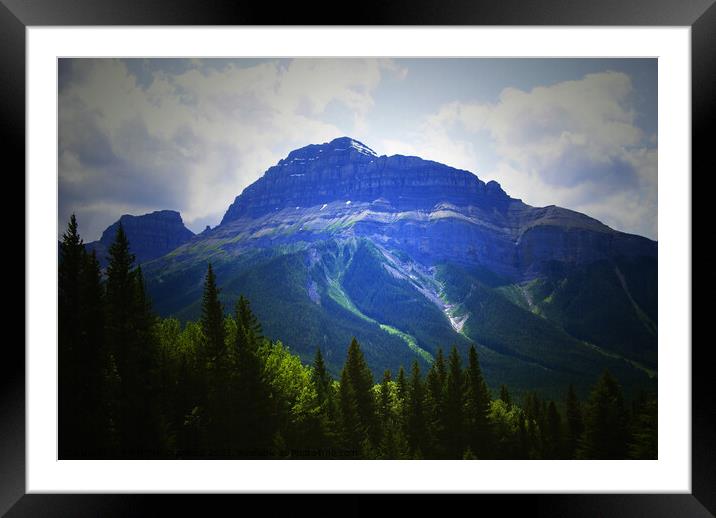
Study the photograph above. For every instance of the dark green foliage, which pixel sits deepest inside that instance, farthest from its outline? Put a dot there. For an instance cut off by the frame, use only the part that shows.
(435, 407)
(477, 407)
(392, 441)
(69, 274)
(144, 421)
(120, 301)
(214, 405)
(250, 426)
(627, 324)
(133, 345)
(523, 438)
(508, 427)
(605, 422)
(505, 395)
(401, 387)
(385, 403)
(357, 400)
(211, 369)
(453, 438)
(212, 321)
(91, 357)
(84, 416)
(351, 432)
(575, 422)
(70, 264)
(416, 428)
(535, 409)
(553, 448)
(323, 382)
(644, 437)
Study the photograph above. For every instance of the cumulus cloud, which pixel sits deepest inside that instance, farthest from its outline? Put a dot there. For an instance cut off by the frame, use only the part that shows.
(574, 143)
(137, 136)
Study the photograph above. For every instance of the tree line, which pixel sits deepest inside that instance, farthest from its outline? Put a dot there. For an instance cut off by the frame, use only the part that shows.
(133, 385)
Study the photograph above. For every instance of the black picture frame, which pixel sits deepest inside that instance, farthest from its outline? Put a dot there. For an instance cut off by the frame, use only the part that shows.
(700, 15)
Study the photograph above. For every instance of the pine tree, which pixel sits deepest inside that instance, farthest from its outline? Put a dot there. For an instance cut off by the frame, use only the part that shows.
(357, 400)
(575, 423)
(326, 400)
(120, 297)
(401, 390)
(435, 385)
(69, 331)
(321, 379)
(453, 437)
(605, 422)
(120, 292)
(440, 369)
(212, 321)
(148, 428)
(505, 395)
(535, 411)
(133, 349)
(644, 437)
(553, 433)
(70, 267)
(389, 448)
(351, 431)
(251, 420)
(416, 423)
(213, 367)
(523, 436)
(143, 317)
(92, 361)
(249, 322)
(477, 407)
(385, 403)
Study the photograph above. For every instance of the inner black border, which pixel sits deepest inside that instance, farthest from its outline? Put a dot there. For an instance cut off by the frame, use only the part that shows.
(16, 15)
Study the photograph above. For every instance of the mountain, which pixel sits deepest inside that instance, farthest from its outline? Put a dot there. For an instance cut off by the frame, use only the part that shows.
(408, 255)
(431, 211)
(151, 235)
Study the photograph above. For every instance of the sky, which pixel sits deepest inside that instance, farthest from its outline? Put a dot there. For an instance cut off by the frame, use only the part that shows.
(138, 135)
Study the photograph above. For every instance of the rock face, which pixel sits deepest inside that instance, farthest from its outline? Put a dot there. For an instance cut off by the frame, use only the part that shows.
(346, 170)
(150, 235)
(431, 211)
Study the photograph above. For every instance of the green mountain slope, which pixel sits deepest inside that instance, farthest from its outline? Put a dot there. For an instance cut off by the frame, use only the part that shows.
(385, 293)
(610, 304)
(525, 348)
(293, 303)
(528, 335)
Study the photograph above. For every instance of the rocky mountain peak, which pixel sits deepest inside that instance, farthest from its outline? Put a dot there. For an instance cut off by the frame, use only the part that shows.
(345, 169)
(346, 147)
(495, 189)
(150, 235)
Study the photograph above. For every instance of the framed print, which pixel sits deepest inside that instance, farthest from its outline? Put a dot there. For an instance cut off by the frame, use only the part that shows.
(361, 259)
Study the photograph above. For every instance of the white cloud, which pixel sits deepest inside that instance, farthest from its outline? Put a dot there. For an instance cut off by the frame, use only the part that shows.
(398, 147)
(192, 140)
(574, 144)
